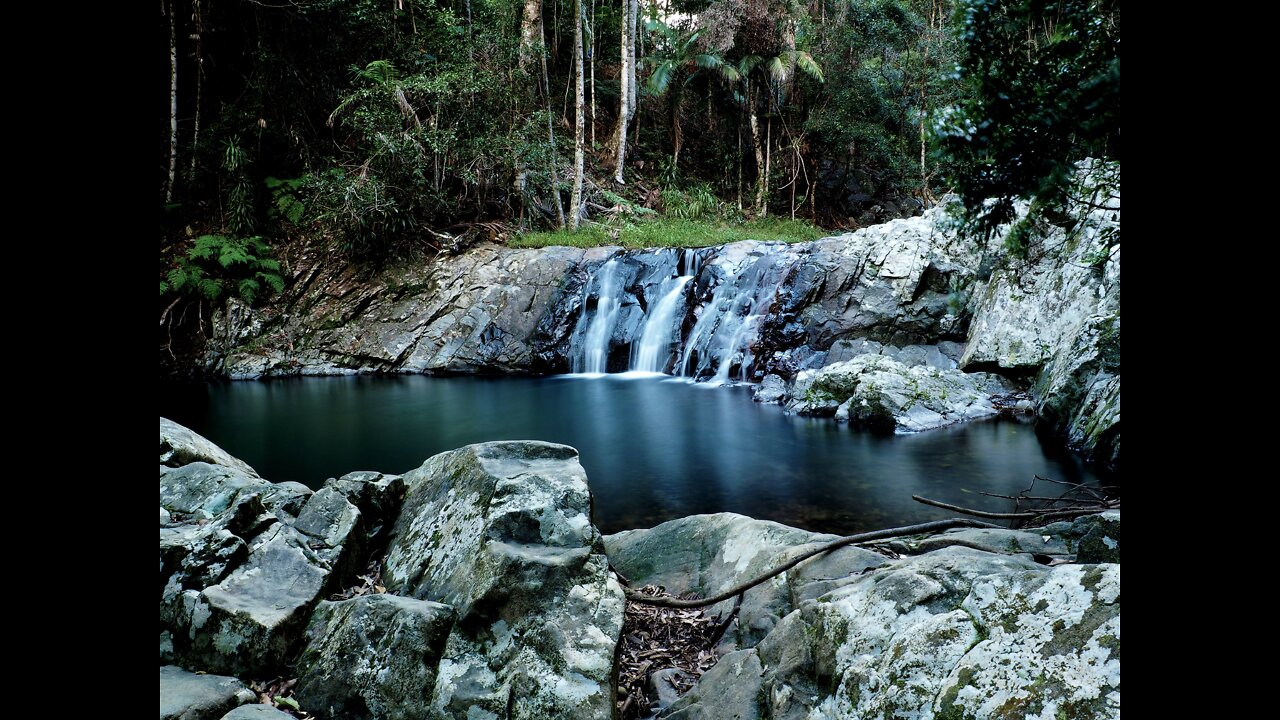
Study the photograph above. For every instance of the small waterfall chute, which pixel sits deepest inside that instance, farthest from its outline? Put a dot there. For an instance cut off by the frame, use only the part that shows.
(660, 328)
(591, 351)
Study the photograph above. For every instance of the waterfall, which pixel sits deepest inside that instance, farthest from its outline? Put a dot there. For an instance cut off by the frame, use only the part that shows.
(660, 328)
(729, 323)
(593, 357)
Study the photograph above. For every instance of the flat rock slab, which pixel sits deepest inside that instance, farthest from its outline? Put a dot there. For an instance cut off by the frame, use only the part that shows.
(188, 696)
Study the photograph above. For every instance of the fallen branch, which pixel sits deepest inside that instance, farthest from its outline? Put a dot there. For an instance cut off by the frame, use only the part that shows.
(935, 526)
(1066, 512)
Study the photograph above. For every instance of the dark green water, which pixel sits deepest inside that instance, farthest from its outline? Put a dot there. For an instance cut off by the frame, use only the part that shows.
(653, 449)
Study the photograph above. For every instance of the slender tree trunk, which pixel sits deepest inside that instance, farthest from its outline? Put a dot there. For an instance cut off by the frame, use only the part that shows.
(592, 63)
(627, 90)
(677, 135)
(551, 133)
(579, 136)
(758, 144)
(768, 165)
(637, 41)
(173, 102)
(197, 34)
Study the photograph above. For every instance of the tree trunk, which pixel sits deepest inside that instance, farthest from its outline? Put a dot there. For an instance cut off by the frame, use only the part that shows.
(530, 35)
(551, 133)
(579, 134)
(197, 34)
(768, 165)
(173, 102)
(627, 91)
(592, 63)
(677, 135)
(758, 143)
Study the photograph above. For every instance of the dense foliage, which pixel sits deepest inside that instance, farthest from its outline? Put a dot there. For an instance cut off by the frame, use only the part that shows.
(1044, 94)
(384, 130)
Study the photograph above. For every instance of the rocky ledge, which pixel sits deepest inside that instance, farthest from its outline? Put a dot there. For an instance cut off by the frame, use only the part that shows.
(790, 317)
(498, 598)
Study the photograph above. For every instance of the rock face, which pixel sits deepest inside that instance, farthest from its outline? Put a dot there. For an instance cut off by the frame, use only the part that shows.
(954, 632)
(180, 445)
(501, 602)
(243, 561)
(502, 533)
(188, 696)
(1057, 314)
(372, 657)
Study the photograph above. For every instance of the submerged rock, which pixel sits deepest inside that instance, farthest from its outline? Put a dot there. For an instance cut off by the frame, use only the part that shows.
(190, 696)
(502, 532)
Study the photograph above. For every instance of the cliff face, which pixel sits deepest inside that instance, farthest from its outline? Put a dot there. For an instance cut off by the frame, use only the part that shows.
(908, 288)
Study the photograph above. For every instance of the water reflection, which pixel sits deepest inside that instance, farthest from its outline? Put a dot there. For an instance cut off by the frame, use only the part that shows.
(653, 449)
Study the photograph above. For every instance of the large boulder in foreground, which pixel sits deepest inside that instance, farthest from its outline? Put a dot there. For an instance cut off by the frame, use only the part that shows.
(502, 533)
(181, 445)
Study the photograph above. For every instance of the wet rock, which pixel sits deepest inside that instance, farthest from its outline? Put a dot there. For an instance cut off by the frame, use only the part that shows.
(373, 656)
(771, 391)
(879, 393)
(502, 532)
(188, 696)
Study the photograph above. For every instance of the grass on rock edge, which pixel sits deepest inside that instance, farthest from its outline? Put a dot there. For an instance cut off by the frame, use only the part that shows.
(673, 232)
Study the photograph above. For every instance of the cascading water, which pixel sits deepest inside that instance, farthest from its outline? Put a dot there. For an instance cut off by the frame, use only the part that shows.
(593, 355)
(660, 328)
(614, 313)
(729, 323)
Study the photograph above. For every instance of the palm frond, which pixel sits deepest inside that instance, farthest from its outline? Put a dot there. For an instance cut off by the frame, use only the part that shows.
(776, 68)
(809, 66)
(661, 77)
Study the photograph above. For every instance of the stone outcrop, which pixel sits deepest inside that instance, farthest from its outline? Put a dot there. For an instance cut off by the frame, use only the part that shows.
(968, 625)
(496, 585)
(878, 393)
(500, 602)
(502, 533)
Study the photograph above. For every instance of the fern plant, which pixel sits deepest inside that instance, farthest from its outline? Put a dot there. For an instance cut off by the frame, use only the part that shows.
(218, 266)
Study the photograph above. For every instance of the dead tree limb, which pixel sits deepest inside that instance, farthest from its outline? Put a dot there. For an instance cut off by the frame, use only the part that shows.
(1064, 512)
(935, 526)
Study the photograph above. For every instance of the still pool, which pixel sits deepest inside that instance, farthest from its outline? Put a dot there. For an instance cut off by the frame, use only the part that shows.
(654, 448)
